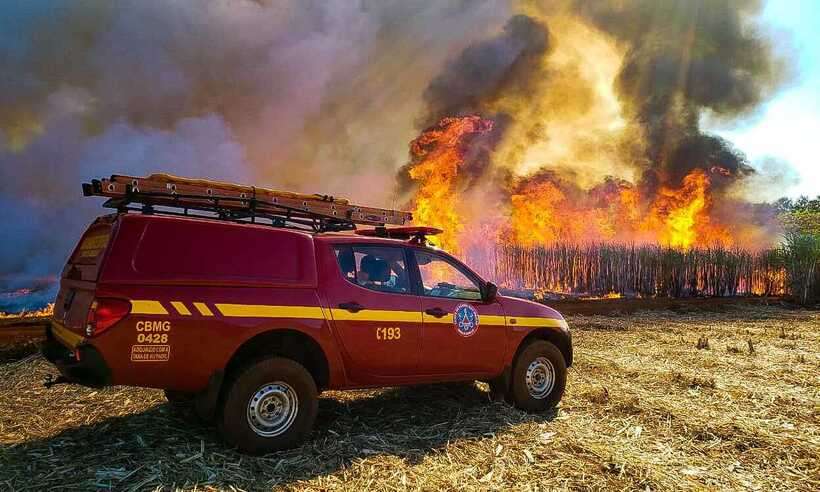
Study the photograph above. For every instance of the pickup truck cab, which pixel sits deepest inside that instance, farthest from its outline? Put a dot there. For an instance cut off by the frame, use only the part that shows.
(251, 321)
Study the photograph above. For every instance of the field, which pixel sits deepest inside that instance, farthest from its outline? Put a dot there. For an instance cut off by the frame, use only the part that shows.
(645, 409)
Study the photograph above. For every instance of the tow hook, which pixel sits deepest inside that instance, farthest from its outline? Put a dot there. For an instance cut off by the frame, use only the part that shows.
(53, 381)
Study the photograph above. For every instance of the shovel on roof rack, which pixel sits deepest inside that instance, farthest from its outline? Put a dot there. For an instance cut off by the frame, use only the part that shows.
(228, 201)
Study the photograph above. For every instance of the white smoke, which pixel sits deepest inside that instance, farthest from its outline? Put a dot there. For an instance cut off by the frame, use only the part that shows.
(301, 94)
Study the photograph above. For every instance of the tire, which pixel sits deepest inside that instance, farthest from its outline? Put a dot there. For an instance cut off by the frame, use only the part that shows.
(270, 405)
(543, 387)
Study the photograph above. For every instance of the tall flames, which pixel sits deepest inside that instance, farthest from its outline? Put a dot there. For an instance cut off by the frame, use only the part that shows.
(545, 208)
(681, 216)
(578, 124)
(438, 156)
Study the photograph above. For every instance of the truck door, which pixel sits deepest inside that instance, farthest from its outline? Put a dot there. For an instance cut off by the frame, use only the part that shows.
(460, 333)
(376, 314)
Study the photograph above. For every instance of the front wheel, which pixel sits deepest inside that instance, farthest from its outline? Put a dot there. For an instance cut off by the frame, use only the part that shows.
(539, 377)
(270, 405)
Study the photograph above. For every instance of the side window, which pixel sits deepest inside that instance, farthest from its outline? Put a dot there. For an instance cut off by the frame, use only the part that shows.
(440, 278)
(374, 267)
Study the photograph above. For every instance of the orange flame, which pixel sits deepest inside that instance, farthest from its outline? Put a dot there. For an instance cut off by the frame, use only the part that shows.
(499, 227)
(48, 310)
(542, 213)
(545, 208)
(681, 216)
(437, 157)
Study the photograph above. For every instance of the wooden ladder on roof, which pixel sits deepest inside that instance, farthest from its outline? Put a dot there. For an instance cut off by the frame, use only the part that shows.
(174, 195)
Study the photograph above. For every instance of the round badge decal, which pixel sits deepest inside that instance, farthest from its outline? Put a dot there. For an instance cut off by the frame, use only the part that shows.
(465, 320)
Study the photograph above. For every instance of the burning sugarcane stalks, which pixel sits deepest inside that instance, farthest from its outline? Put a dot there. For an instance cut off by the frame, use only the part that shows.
(604, 269)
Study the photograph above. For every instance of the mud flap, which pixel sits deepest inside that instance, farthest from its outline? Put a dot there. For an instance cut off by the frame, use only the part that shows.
(500, 385)
(206, 402)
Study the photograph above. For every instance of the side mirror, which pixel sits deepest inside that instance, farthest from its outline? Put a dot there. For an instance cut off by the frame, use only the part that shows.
(489, 293)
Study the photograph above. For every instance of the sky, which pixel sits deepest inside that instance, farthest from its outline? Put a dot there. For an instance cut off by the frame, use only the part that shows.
(787, 129)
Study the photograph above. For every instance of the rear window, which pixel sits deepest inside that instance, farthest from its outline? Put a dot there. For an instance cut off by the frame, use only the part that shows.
(92, 245)
(190, 250)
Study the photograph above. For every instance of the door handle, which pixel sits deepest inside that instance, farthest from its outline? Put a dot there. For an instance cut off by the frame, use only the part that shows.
(436, 312)
(353, 307)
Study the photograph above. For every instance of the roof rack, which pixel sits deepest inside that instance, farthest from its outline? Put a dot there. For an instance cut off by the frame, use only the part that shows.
(238, 203)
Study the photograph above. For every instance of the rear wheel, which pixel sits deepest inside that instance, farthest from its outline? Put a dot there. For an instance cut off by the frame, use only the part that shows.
(270, 405)
(539, 377)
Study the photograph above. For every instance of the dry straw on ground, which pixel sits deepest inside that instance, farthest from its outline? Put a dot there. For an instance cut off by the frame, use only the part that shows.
(645, 408)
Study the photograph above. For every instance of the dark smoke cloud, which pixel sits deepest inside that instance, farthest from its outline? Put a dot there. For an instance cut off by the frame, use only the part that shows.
(708, 152)
(503, 65)
(685, 58)
(682, 60)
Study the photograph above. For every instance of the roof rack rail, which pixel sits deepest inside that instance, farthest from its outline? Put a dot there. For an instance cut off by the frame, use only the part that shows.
(237, 203)
(413, 234)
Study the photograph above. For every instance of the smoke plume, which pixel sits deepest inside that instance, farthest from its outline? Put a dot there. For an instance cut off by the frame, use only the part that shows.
(682, 59)
(310, 96)
(319, 96)
(506, 65)
(589, 94)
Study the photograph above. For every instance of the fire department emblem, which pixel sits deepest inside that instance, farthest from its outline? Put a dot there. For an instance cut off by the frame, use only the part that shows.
(465, 320)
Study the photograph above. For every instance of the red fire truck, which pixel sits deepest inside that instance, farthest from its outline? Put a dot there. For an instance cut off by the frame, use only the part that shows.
(247, 302)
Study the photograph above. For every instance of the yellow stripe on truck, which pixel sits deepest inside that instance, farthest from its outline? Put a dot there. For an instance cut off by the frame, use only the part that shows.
(203, 309)
(317, 312)
(181, 308)
(376, 315)
(540, 322)
(265, 311)
(447, 318)
(147, 307)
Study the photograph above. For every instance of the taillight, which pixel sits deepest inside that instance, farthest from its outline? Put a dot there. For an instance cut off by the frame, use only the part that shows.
(104, 313)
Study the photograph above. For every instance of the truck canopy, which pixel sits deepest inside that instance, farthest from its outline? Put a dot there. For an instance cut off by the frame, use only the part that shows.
(160, 249)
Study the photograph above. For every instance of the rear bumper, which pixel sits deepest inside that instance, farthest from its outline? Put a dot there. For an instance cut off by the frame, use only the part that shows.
(77, 361)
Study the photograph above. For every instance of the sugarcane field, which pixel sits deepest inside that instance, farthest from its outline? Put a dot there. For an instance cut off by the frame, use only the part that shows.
(255, 245)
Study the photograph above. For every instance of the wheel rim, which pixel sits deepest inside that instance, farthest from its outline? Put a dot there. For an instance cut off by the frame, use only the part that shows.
(272, 409)
(540, 378)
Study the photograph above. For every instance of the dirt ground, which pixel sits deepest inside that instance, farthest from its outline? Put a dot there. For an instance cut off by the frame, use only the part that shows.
(645, 409)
